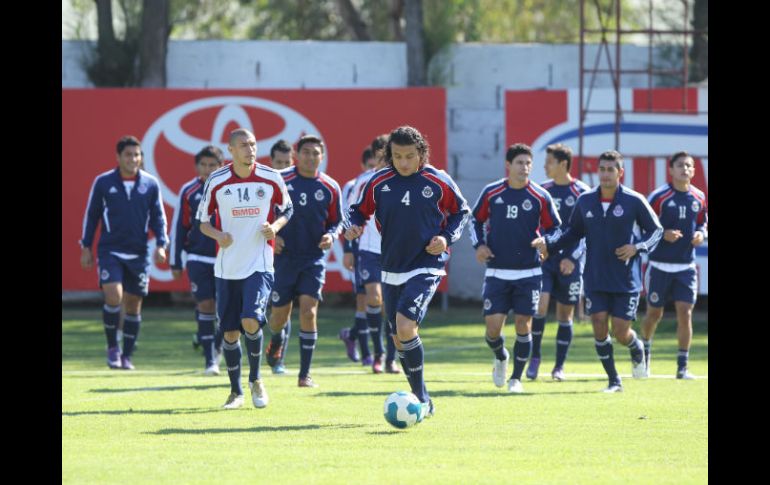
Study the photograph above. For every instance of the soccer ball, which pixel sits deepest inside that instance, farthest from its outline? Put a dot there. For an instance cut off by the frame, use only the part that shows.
(403, 409)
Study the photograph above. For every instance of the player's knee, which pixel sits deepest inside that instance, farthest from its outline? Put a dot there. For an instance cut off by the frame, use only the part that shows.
(232, 336)
(374, 300)
(207, 306)
(250, 325)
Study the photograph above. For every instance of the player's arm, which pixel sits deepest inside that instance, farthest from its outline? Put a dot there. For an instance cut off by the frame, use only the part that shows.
(701, 225)
(90, 222)
(360, 212)
(159, 226)
(334, 219)
(477, 228)
(283, 209)
(566, 237)
(459, 214)
(206, 208)
(180, 228)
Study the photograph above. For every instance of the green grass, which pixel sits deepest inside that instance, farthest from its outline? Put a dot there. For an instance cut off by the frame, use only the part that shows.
(163, 422)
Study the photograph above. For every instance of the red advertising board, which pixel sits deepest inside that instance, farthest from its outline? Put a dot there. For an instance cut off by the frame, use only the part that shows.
(174, 124)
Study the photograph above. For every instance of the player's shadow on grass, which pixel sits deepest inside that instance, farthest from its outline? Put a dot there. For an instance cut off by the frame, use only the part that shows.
(383, 433)
(128, 412)
(159, 388)
(255, 429)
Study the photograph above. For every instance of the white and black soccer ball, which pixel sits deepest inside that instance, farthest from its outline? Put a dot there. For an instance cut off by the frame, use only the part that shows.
(403, 409)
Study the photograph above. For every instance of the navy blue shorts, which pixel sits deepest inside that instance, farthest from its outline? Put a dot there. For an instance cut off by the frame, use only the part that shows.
(619, 305)
(501, 296)
(134, 274)
(679, 286)
(565, 289)
(246, 298)
(369, 268)
(411, 299)
(201, 277)
(294, 277)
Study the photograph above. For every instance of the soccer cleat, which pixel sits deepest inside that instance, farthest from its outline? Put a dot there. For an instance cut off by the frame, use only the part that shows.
(212, 370)
(377, 365)
(350, 345)
(195, 342)
(391, 367)
(639, 370)
(500, 370)
(274, 353)
(234, 401)
(279, 369)
(113, 357)
(427, 409)
(557, 374)
(683, 373)
(613, 387)
(125, 363)
(367, 361)
(515, 387)
(258, 394)
(306, 382)
(532, 368)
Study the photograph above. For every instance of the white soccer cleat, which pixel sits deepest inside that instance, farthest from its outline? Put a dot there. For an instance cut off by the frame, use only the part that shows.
(515, 387)
(500, 370)
(639, 371)
(212, 370)
(684, 374)
(234, 401)
(258, 394)
(613, 388)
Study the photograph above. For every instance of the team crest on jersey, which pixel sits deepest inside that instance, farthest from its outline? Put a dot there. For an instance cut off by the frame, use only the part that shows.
(427, 192)
(618, 211)
(105, 274)
(319, 194)
(260, 193)
(570, 201)
(526, 205)
(499, 200)
(193, 287)
(142, 188)
(487, 304)
(275, 297)
(227, 192)
(695, 206)
(654, 297)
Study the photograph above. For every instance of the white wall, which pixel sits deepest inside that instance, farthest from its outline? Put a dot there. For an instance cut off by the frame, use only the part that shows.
(476, 77)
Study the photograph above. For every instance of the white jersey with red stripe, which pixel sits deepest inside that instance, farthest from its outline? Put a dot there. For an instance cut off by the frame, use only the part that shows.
(241, 206)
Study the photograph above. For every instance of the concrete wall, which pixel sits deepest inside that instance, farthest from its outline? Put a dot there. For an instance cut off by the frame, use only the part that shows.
(476, 77)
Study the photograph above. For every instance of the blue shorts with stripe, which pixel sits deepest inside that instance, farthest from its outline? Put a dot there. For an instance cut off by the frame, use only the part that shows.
(133, 274)
(565, 289)
(411, 298)
(618, 305)
(297, 276)
(201, 277)
(369, 268)
(662, 286)
(501, 296)
(246, 298)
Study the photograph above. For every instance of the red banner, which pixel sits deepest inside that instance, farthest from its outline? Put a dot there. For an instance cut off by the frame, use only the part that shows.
(173, 125)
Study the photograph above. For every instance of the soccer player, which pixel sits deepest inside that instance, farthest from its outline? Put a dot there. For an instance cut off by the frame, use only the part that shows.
(201, 254)
(300, 267)
(126, 200)
(369, 267)
(281, 157)
(506, 219)
(419, 211)
(562, 272)
(359, 331)
(606, 216)
(681, 208)
(251, 205)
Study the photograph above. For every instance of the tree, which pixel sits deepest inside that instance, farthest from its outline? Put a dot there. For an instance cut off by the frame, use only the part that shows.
(415, 43)
(153, 43)
(699, 53)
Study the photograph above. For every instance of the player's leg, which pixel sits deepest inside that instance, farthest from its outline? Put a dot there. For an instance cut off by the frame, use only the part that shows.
(391, 294)
(229, 310)
(309, 288)
(623, 311)
(110, 274)
(684, 295)
(597, 306)
(538, 321)
(202, 286)
(567, 296)
(525, 301)
(496, 294)
(281, 299)
(136, 279)
(657, 283)
(374, 322)
(256, 291)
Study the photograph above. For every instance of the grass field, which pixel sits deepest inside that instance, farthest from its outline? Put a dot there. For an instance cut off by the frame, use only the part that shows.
(163, 424)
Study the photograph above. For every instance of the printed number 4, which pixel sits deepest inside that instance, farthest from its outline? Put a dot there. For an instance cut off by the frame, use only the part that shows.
(405, 199)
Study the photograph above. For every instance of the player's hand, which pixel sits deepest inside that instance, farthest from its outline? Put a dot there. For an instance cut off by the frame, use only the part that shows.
(225, 240)
(566, 266)
(672, 235)
(437, 245)
(176, 273)
(697, 238)
(625, 252)
(353, 232)
(86, 258)
(268, 231)
(484, 254)
(279, 244)
(326, 241)
(160, 255)
(540, 245)
(348, 261)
